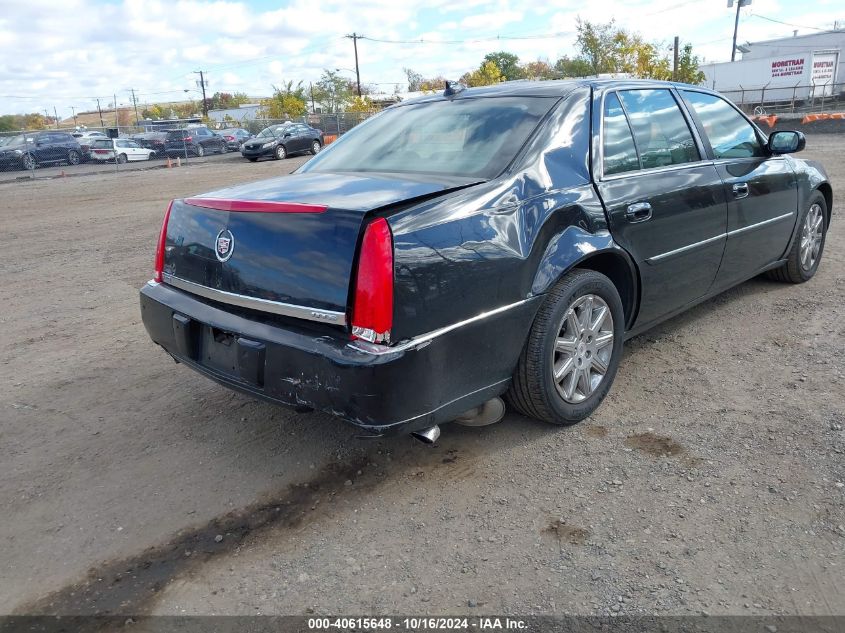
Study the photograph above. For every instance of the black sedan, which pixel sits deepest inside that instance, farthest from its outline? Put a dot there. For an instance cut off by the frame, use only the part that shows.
(155, 141)
(494, 241)
(283, 140)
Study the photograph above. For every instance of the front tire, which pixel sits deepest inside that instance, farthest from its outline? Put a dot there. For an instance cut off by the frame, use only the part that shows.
(316, 147)
(251, 159)
(73, 157)
(804, 257)
(281, 153)
(200, 151)
(28, 162)
(573, 350)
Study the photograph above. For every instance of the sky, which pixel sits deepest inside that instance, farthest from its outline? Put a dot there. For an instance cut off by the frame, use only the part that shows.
(67, 53)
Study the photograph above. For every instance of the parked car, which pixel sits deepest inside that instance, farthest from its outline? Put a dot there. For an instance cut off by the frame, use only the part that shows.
(234, 137)
(121, 149)
(280, 141)
(84, 138)
(27, 151)
(152, 140)
(492, 241)
(197, 141)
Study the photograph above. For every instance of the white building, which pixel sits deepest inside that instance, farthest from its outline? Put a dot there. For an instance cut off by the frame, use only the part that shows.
(795, 68)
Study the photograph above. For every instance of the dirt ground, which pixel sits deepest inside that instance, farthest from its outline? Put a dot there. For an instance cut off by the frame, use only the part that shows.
(711, 480)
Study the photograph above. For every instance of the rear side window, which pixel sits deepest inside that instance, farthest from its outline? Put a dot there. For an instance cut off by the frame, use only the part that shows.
(620, 153)
(730, 134)
(660, 130)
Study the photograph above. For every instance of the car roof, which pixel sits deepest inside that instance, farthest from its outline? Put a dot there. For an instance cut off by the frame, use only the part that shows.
(551, 88)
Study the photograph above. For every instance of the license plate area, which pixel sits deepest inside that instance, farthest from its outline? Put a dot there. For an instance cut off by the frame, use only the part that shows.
(230, 354)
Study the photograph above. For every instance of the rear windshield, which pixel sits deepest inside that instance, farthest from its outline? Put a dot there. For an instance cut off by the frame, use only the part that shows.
(463, 137)
(102, 143)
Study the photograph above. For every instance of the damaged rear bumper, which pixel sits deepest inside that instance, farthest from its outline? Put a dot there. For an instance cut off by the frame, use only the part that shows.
(381, 392)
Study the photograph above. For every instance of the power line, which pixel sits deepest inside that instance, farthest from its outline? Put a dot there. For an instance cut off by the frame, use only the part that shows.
(545, 36)
(800, 26)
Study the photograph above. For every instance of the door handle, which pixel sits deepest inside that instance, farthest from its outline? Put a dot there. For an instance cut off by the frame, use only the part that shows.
(740, 190)
(638, 212)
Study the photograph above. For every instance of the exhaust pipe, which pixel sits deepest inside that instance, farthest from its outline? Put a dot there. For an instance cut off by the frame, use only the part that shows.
(427, 436)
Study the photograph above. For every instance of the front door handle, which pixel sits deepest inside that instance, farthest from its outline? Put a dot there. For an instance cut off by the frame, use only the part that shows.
(638, 212)
(740, 190)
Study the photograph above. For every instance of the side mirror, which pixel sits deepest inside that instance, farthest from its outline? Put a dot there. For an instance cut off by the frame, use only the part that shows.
(786, 142)
(287, 134)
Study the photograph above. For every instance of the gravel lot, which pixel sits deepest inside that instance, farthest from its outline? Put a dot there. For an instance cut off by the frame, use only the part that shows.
(711, 480)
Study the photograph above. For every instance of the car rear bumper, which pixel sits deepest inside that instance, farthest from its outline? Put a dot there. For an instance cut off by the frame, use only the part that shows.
(381, 392)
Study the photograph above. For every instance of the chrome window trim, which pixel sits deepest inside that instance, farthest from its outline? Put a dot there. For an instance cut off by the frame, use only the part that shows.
(760, 224)
(254, 303)
(425, 339)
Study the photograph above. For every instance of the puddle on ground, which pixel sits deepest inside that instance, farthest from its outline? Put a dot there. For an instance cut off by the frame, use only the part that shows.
(654, 445)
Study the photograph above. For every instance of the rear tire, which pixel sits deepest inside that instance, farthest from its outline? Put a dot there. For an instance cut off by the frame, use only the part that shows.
(251, 159)
(122, 159)
(804, 257)
(73, 157)
(573, 350)
(316, 147)
(200, 151)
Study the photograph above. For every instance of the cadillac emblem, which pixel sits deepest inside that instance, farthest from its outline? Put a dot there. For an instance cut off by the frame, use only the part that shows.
(224, 245)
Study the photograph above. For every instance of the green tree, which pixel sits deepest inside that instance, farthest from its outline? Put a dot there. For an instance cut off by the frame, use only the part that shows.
(539, 69)
(332, 91)
(688, 71)
(361, 104)
(507, 63)
(573, 67)
(487, 74)
(287, 102)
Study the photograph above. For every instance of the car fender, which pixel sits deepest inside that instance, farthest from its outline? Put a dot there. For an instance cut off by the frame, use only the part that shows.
(810, 175)
(574, 247)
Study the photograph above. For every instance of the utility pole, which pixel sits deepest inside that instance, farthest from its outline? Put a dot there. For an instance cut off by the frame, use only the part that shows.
(100, 110)
(739, 5)
(355, 37)
(73, 110)
(675, 65)
(56, 113)
(202, 85)
(135, 103)
(313, 109)
(116, 119)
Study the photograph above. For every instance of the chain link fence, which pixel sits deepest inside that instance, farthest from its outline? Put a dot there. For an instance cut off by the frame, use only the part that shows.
(69, 150)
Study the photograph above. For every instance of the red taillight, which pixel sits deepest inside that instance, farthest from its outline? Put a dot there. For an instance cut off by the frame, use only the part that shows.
(162, 238)
(229, 138)
(372, 307)
(188, 139)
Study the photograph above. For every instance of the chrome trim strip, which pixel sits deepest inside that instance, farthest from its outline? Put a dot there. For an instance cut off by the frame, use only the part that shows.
(264, 305)
(759, 224)
(686, 248)
(425, 339)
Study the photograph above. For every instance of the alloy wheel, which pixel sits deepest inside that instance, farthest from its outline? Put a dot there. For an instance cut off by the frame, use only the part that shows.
(315, 147)
(583, 348)
(812, 233)
(28, 161)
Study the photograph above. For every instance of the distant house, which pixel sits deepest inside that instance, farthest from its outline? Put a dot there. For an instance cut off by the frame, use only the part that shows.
(244, 112)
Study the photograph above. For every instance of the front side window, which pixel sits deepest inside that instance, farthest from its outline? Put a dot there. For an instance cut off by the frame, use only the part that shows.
(620, 153)
(661, 132)
(461, 137)
(730, 134)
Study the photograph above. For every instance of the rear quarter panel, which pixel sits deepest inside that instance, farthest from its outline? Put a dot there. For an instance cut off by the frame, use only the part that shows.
(505, 240)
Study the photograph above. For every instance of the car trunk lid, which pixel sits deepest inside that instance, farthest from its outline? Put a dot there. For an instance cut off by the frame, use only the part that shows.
(286, 245)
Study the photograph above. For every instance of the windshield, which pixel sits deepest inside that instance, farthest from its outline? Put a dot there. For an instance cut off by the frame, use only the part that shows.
(272, 132)
(463, 137)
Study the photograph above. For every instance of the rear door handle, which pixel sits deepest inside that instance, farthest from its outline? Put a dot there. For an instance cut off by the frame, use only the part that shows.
(740, 190)
(638, 212)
